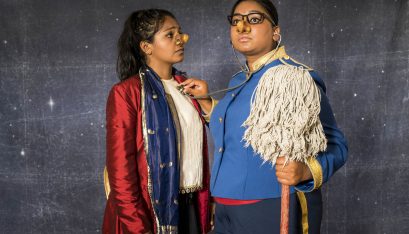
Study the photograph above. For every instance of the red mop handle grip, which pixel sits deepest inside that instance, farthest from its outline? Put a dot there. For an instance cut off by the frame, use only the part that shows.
(285, 209)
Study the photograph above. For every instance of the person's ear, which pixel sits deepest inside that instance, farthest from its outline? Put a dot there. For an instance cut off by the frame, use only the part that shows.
(146, 47)
(276, 33)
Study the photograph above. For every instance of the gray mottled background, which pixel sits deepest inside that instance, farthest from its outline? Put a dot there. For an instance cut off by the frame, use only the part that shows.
(57, 63)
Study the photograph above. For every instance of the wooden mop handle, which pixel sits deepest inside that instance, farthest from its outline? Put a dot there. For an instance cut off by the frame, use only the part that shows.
(285, 208)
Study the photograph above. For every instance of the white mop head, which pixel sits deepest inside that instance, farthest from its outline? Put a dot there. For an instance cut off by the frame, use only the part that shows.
(284, 117)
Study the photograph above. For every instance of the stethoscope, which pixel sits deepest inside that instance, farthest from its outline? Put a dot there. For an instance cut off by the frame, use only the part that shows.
(243, 68)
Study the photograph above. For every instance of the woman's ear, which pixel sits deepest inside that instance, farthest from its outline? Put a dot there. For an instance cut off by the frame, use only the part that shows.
(146, 47)
(276, 33)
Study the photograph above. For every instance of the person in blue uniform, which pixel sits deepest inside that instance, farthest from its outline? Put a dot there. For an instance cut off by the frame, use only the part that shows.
(246, 190)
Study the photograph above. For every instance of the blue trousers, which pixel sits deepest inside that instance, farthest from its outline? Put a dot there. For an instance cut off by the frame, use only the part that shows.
(264, 216)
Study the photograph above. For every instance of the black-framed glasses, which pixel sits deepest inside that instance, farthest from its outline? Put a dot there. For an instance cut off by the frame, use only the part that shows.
(252, 18)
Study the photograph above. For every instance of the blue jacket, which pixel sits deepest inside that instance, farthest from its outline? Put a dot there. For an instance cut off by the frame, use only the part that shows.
(239, 173)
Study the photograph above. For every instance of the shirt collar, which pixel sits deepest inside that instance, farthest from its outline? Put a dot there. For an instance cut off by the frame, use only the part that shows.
(269, 57)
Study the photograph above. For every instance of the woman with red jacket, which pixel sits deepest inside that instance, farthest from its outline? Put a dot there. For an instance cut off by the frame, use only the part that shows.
(157, 176)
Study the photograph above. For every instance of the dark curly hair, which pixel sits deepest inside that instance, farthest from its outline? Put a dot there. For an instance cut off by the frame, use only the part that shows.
(140, 26)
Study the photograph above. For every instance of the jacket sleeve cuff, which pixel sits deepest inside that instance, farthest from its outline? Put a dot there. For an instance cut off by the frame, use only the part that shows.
(206, 116)
(316, 182)
(106, 183)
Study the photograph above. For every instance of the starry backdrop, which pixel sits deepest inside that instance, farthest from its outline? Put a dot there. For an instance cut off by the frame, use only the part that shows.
(57, 64)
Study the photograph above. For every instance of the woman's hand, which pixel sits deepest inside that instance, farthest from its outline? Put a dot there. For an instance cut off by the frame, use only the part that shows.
(195, 87)
(292, 173)
(198, 88)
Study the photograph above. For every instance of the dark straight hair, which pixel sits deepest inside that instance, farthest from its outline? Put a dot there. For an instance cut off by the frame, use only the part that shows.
(140, 26)
(266, 4)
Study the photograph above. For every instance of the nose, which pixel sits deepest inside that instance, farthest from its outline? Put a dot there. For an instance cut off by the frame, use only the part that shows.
(243, 26)
(179, 40)
(182, 39)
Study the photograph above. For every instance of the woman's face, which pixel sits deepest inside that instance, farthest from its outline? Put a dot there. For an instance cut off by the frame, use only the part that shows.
(165, 47)
(259, 40)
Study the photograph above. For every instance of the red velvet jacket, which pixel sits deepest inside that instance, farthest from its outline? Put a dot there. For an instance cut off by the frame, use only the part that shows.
(129, 208)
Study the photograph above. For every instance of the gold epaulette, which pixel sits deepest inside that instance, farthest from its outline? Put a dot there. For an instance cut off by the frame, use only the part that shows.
(287, 60)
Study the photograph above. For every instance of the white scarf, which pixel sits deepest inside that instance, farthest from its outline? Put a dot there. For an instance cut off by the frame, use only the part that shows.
(190, 140)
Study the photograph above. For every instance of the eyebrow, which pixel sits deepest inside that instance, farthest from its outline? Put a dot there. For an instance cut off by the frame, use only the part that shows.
(252, 11)
(170, 28)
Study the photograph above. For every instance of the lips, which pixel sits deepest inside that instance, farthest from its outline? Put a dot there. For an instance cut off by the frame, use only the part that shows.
(180, 50)
(244, 39)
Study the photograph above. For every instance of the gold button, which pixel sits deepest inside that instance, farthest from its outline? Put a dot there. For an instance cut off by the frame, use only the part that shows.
(233, 94)
(150, 131)
(170, 164)
(286, 57)
(220, 119)
(220, 149)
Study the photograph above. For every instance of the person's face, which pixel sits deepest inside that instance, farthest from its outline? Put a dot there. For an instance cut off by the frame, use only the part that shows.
(167, 46)
(257, 40)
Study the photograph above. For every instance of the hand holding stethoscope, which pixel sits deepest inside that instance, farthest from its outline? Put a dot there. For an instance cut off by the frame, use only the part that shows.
(194, 87)
(198, 89)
